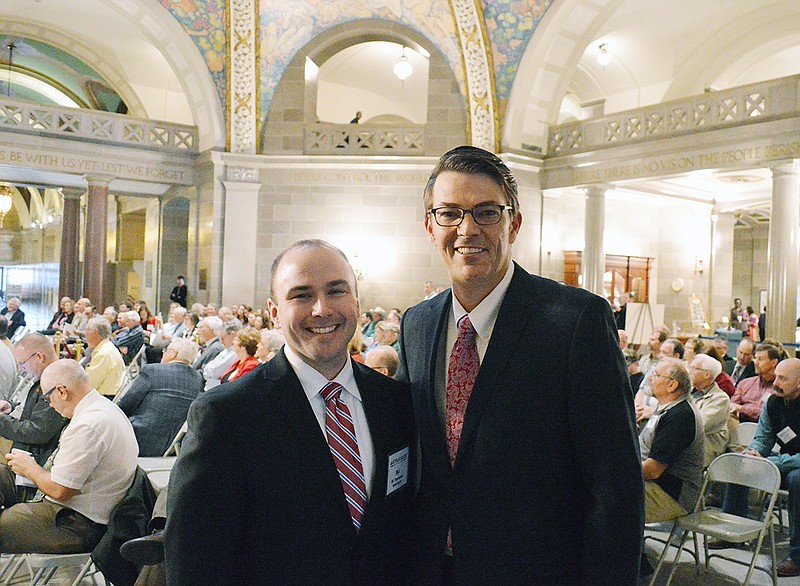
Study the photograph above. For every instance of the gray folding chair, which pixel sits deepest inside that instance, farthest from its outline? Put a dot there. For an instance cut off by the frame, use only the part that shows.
(750, 471)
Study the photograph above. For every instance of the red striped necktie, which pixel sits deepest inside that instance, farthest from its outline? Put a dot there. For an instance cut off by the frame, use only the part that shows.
(344, 446)
(461, 375)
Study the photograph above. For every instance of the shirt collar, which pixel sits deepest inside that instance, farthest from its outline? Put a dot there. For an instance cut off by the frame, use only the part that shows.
(88, 399)
(485, 314)
(311, 379)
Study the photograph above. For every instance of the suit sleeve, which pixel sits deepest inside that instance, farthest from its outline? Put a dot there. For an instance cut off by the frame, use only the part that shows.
(205, 520)
(42, 425)
(133, 397)
(602, 426)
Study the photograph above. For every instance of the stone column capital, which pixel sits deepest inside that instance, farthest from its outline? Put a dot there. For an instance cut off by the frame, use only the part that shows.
(99, 180)
(785, 167)
(596, 189)
(72, 192)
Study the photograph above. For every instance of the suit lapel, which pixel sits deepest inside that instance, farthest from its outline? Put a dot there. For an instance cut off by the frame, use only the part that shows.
(300, 418)
(435, 330)
(515, 310)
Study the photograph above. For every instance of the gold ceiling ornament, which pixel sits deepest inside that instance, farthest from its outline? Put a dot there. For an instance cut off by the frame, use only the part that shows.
(5, 202)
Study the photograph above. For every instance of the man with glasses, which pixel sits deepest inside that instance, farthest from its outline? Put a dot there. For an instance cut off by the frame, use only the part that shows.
(89, 474)
(712, 403)
(530, 471)
(671, 445)
(26, 418)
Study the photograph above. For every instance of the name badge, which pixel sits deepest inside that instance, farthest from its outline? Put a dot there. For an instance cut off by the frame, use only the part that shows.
(787, 434)
(398, 471)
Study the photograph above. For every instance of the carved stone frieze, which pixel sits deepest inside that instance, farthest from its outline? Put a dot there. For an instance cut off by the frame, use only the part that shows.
(476, 53)
(243, 72)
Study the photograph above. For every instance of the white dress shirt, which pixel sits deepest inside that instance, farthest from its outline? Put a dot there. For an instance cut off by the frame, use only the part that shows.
(482, 317)
(219, 365)
(312, 382)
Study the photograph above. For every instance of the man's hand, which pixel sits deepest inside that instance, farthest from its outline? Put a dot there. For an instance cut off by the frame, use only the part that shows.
(751, 452)
(735, 409)
(643, 412)
(22, 463)
(5, 407)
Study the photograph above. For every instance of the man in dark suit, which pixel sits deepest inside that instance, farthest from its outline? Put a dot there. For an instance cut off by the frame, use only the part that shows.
(264, 491)
(27, 419)
(530, 466)
(744, 367)
(15, 316)
(209, 329)
(159, 398)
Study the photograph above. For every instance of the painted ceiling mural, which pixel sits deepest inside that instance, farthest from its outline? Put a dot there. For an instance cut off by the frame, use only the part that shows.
(287, 26)
(509, 26)
(205, 22)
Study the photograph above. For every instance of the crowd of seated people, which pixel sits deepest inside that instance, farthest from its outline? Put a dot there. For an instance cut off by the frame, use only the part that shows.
(688, 399)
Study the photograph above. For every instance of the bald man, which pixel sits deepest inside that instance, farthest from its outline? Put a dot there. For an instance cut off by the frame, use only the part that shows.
(779, 424)
(383, 359)
(92, 470)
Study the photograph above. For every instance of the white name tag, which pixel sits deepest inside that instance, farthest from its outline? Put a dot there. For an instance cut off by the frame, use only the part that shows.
(398, 471)
(787, 434)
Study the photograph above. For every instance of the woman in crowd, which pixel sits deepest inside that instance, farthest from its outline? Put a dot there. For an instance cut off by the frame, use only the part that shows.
(190, 321)
(269, 343)
(244, 346)
(752, 317)
(147, 317)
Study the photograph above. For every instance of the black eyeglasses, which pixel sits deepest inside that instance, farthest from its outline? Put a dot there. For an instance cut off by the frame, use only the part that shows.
(50, 392)
(484, 215)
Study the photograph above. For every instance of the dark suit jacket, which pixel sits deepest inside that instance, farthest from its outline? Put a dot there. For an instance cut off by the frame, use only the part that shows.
(208, 354)
(255, 497)
(157, 404)
(547, 486)
(38, 428)
(749, 371)
(17, 321)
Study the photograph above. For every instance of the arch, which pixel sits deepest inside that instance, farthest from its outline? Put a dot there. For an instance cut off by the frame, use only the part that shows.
(291, 106)
(146, 21)
(742, 43)
(85, 53)
(546, 68)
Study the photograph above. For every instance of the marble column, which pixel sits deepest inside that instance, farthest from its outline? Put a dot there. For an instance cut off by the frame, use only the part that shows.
(593, 263)
(94, 256)
(783, 253)
(241, 235)
(68, 282)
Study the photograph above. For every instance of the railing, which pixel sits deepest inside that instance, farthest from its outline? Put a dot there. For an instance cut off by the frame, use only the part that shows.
(711, 111)
(361, 139)
(96, 126)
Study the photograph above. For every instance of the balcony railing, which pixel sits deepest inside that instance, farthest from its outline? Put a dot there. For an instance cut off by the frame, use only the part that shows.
(711, 111)
(362, 139)
(96, 126)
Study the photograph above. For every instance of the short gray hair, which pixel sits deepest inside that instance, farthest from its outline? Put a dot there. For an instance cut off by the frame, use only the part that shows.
(186, 350)
(100, 326)
(213, 322)
(676, 370)
(708, 364)
(272, 339)
(233, 325)
(133, 316)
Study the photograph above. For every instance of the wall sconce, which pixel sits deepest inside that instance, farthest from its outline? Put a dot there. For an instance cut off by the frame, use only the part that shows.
(698, 265)
(603, 57)
(402, 69)
(5, 202)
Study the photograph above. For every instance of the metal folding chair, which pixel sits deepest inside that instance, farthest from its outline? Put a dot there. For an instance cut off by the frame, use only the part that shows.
(752, 472)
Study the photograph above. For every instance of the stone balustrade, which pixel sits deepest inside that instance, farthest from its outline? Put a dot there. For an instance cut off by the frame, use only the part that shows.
(96, 126)
(363, 139)
(752, 103)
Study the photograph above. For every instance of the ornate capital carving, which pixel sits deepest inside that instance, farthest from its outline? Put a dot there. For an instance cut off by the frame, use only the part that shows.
(243, 75)
(243, 174)
(476, 53)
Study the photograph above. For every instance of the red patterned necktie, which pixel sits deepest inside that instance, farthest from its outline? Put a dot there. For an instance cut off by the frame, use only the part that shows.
(343, 444)
(461, 375)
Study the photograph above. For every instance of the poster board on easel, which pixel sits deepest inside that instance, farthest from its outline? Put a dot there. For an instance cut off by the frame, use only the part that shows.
(641, 319)
(697, 313)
